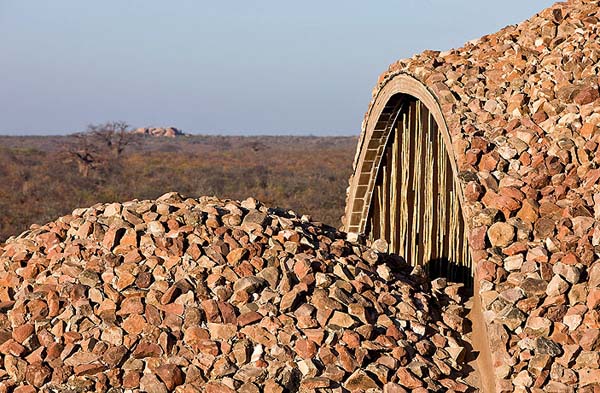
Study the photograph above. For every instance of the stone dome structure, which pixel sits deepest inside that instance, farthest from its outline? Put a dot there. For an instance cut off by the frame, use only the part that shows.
(516, 115)
(209, 295)
(480, 164)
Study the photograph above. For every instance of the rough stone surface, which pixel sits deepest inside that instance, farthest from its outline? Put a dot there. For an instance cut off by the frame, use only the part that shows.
(501, 234)
(522, 108)
(208, 295)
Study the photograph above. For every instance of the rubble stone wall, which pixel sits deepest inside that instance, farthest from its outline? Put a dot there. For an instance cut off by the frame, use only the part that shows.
(218, 296)
(522, 108)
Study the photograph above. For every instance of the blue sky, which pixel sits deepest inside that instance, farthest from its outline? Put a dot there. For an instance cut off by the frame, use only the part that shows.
(230, 67)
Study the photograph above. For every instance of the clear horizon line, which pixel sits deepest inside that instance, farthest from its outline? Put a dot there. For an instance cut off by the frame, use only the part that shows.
(211, 133)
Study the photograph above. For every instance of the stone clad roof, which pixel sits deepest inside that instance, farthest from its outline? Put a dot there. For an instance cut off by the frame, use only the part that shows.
(218, 296)
(522, 107)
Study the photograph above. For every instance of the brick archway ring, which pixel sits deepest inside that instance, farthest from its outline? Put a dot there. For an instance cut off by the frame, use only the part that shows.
(377, 128)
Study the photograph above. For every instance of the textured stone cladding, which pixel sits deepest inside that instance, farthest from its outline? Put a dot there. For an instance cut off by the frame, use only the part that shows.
(218, 296)
(523, 110)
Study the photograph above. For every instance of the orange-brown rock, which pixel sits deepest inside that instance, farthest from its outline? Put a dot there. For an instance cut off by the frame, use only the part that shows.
(269, 301)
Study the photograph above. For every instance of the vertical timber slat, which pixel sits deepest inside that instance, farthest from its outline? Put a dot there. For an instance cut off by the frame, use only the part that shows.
(415, 205)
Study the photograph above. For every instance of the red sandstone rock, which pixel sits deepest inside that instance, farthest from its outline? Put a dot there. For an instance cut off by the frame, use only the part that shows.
(266, 300)
(529, 135)
(170, 375)
(501, 234)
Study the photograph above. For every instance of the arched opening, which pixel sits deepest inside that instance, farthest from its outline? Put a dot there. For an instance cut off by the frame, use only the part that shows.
(405, 190)
(415, 204)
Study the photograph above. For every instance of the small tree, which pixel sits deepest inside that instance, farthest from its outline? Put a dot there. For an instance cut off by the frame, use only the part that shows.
(99, 146)
(84, 154)
(115, 136)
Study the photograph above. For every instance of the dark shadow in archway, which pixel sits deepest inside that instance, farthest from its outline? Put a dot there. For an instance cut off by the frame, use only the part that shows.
(453, 272)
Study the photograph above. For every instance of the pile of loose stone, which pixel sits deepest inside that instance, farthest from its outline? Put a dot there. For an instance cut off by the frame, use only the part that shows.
(206, 295)
(523, 109)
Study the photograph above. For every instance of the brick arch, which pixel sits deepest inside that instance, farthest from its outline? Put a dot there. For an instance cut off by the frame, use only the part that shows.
(376, 130)
(378, 125)
(522, 109)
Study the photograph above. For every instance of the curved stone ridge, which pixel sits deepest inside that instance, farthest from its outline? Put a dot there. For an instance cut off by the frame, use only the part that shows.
(208, 295)
(522, 107)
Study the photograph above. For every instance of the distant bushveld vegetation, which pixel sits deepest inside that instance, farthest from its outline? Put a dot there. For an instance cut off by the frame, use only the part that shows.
(42, 178)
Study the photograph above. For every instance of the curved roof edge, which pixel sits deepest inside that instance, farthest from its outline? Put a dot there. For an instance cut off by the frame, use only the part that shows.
(522, 108)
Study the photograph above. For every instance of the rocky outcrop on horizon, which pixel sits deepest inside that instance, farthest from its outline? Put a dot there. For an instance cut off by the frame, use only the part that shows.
(169, 132)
